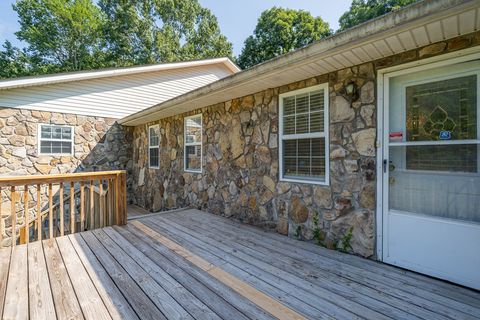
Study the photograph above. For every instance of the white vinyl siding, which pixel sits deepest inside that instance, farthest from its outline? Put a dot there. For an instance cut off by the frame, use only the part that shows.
(113, 97)
(304, 135)
(154, 147)
(193, 144)
(55, 139)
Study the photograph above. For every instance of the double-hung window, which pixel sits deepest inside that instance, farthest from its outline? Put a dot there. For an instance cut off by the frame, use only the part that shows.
(55, 139)
(154, 146)
(304, 135)
(193, 144)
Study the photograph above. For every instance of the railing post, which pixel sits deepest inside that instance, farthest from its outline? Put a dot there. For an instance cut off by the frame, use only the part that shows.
(39, 212)
(27, 215)
(121, 198)
(50, 210)
(13, 212)
(1, 219)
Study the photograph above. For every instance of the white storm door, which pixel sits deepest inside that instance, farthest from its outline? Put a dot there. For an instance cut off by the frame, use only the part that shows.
(431, 176)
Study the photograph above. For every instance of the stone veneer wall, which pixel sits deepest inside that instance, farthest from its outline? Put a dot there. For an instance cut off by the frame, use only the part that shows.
(240, 160)
(99, 143)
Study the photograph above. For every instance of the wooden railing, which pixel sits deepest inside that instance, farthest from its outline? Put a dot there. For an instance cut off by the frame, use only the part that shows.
(93, 200)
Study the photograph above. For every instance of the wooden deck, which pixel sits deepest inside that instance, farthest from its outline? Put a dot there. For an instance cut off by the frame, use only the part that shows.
(190, 264)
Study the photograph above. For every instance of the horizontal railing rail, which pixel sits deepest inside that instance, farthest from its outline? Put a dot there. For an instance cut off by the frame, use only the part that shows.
(83, 201)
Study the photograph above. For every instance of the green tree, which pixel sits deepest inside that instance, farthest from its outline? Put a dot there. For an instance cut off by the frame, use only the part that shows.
(64, 35)
(13, 62)
(129, 34)
(149, 31)
(279, 31)
(364, 10)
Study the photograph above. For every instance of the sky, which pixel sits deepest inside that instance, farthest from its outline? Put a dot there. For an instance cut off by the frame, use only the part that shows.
(237, 18)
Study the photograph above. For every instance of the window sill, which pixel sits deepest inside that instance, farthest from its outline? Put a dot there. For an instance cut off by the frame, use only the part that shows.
(56, 154)
(193, 171)
(305, 181)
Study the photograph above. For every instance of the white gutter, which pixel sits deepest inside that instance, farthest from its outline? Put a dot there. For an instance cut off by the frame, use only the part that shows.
(86, 75)
(390, 24)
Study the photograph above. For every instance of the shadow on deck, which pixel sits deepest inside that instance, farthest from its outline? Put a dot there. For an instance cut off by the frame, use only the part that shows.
(190, 264)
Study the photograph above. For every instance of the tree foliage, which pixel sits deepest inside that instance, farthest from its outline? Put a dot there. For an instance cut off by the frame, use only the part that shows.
(13, 62)
(69, 35)
(279, 31)
(364, 10)
(148, 31)
(64, 35)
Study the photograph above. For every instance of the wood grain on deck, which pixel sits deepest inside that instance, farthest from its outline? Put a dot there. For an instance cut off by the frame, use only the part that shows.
(194, 265)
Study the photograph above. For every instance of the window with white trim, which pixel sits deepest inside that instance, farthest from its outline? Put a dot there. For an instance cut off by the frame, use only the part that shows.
(55, 139)
(304, 135)
(193, 144)
(154, 146)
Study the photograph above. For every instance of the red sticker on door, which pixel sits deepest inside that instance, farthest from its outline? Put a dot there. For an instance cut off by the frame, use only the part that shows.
(396, 136)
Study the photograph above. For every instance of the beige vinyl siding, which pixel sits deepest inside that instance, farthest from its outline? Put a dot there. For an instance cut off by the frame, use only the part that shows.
(113, 97)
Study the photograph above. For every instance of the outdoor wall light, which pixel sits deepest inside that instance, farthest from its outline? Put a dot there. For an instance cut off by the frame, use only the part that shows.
(351, 91)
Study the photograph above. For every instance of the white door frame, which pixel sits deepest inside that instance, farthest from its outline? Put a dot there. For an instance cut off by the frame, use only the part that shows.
(383, 80)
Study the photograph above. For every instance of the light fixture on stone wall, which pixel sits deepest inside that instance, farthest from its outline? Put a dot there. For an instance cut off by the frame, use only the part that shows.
(350, 91)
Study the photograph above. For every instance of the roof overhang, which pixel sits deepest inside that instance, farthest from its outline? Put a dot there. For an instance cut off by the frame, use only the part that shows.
(412, 27)
(97, 74)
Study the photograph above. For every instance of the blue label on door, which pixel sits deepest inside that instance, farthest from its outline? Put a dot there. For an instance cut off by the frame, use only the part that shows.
(445, 135)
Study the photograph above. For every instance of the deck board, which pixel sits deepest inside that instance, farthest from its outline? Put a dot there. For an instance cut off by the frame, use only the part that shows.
(87, 295)
(16, 297)
(193, 265)
(64, 298)
(4, 267)
(40, 294)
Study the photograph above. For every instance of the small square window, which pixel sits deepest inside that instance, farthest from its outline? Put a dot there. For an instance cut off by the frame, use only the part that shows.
(55, 139)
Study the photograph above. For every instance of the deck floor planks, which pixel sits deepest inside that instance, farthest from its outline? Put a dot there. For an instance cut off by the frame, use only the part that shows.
(226, 302)
(310, 272)
(87, 295)
(5, 254)
(16, 297)
(40, 293)
(196, 308)
(411, 279)
(266, 302)
(264, 282)
(113, 299)
(368, 297)
(140, 302)
(64, 298)
(367, 274)
(285, 279)
(189, 264)
(169, 307)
